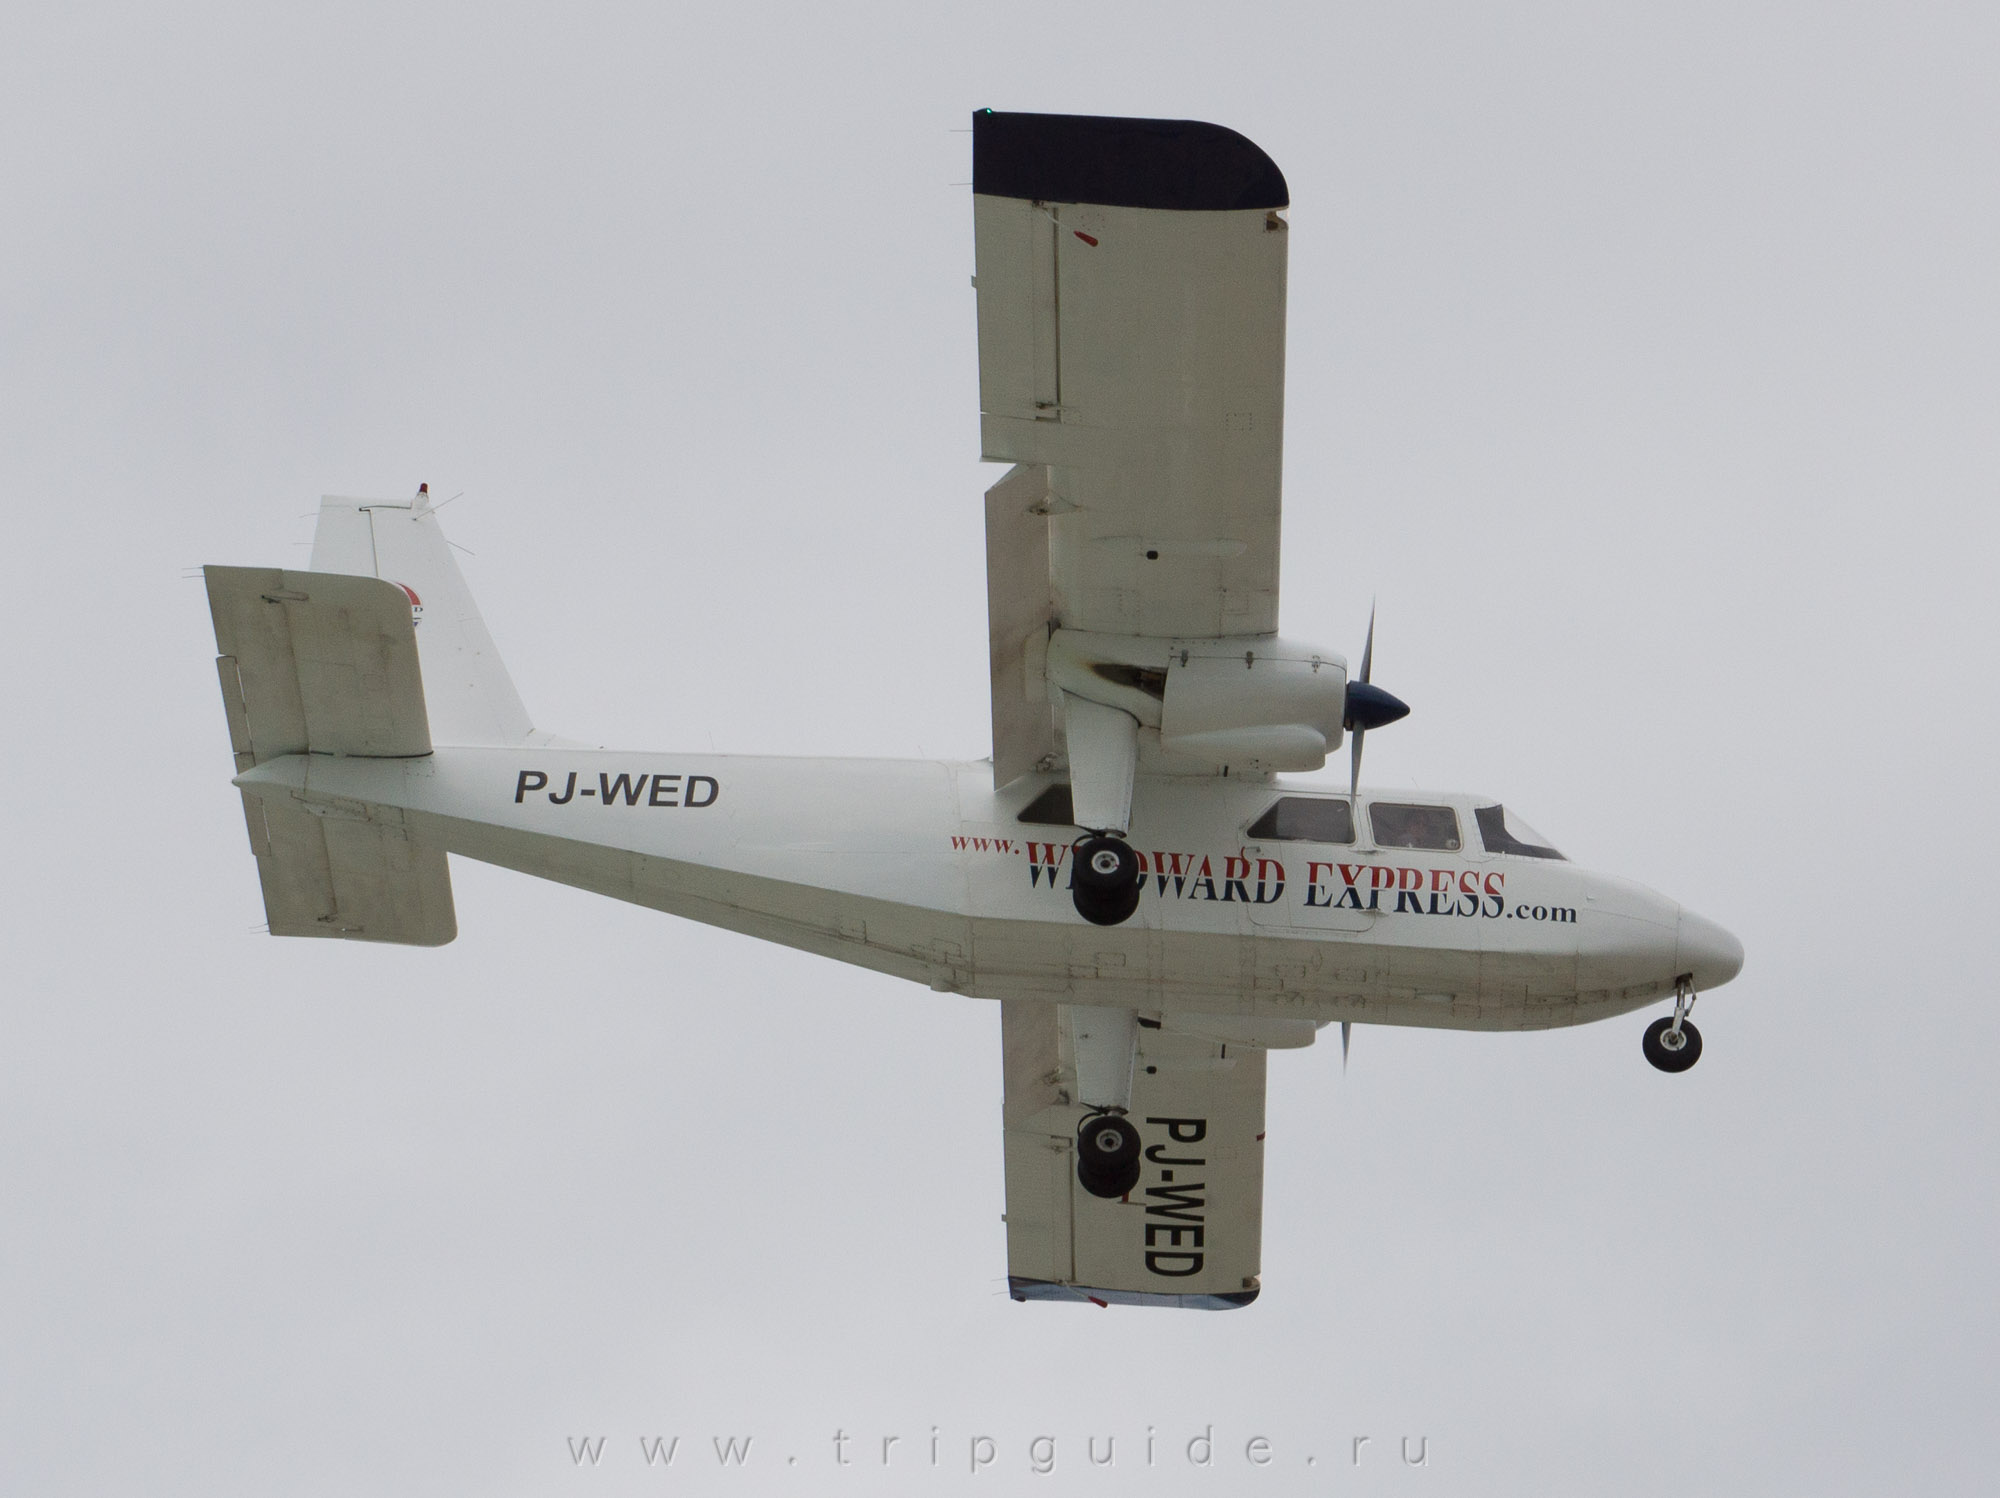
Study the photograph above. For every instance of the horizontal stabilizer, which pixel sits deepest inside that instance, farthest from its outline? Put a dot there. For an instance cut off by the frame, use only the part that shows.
(334, 872)
(316, 663)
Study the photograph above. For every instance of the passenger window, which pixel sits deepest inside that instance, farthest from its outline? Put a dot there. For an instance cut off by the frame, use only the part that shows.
(1050, 809)
(1305, 819)
(1504, 832)
(1414, 826)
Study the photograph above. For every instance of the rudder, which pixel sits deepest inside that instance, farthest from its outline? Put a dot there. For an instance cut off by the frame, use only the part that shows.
(470, 697)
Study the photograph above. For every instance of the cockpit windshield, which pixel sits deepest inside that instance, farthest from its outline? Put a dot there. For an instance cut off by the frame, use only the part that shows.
(1503, 831)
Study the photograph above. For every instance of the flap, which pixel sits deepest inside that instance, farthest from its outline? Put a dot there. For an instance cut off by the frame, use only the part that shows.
(1018, 611)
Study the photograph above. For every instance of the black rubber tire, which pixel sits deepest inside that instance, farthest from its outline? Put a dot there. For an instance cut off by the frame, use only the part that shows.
(1105, 910)
(1108, 1184)
(1107, 1143)
(1104, 880)
(1666, 1060)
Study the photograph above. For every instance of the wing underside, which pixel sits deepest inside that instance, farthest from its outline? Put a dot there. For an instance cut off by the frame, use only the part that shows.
(1131, 290)
(1189, 1232)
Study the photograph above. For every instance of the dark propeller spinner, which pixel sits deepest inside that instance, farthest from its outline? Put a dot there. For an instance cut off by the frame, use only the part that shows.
(1368, 706)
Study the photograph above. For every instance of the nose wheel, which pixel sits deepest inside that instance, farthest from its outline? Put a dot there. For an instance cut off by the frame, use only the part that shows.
(1673, 1044)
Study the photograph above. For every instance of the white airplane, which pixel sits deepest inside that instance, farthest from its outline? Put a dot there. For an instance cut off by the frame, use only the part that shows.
(1151, 904)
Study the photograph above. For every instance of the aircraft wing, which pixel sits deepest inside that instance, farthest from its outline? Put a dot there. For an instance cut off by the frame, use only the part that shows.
(1131, 293)
(1189, 1233)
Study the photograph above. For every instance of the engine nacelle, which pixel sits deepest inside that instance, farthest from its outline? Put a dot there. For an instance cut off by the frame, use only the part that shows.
(1258, 704)
(1253, 702)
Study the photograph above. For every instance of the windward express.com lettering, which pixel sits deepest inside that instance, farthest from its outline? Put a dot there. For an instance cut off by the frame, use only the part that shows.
(1240, 878)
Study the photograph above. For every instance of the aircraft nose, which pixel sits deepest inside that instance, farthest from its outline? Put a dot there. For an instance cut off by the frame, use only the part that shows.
(1706, 950)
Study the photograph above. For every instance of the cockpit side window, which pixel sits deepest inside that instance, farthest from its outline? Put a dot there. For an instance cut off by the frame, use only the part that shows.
(1504, 832)
(1305, 819)
(1399, 826)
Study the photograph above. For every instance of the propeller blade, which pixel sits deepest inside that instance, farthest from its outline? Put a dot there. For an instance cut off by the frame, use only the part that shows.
(1367, 706)
(1354, 761)
(1346, 1032)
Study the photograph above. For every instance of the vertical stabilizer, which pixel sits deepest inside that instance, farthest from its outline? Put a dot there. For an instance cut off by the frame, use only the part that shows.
(470, 697)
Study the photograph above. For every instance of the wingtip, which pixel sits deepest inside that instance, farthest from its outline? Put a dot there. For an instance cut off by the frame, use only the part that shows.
(1184, 165)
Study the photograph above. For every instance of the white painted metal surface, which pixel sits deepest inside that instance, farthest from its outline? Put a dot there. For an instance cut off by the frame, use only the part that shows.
(1105, 1040)
(472, 698)
(1019, 613)
(1103, 759)
(1140, 354)
(921, 868)
(1256, 704)
(1190, 1232)
(1131, 364)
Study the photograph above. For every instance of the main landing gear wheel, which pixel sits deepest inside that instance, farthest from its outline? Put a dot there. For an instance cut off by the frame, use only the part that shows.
(1105, 880)
(1107, 1155)
(1673, 1043)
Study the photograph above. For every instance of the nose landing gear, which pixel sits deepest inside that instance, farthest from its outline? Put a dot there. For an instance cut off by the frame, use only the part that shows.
(1674, 1044)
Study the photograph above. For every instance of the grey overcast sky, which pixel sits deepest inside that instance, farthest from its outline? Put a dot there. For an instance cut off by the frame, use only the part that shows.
(1644, 363)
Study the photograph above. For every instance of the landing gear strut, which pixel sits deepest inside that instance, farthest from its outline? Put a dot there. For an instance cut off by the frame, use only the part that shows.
(1105, 881)
(1674, 1044)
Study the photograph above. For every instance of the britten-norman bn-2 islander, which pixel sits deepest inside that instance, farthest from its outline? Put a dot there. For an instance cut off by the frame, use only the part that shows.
(1153, 907)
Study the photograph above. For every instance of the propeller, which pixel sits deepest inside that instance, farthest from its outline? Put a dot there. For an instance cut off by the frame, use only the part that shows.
(1346, 1034)
(1367, 707)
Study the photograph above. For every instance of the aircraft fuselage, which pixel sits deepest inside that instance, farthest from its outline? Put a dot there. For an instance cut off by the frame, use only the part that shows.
(920, 869)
